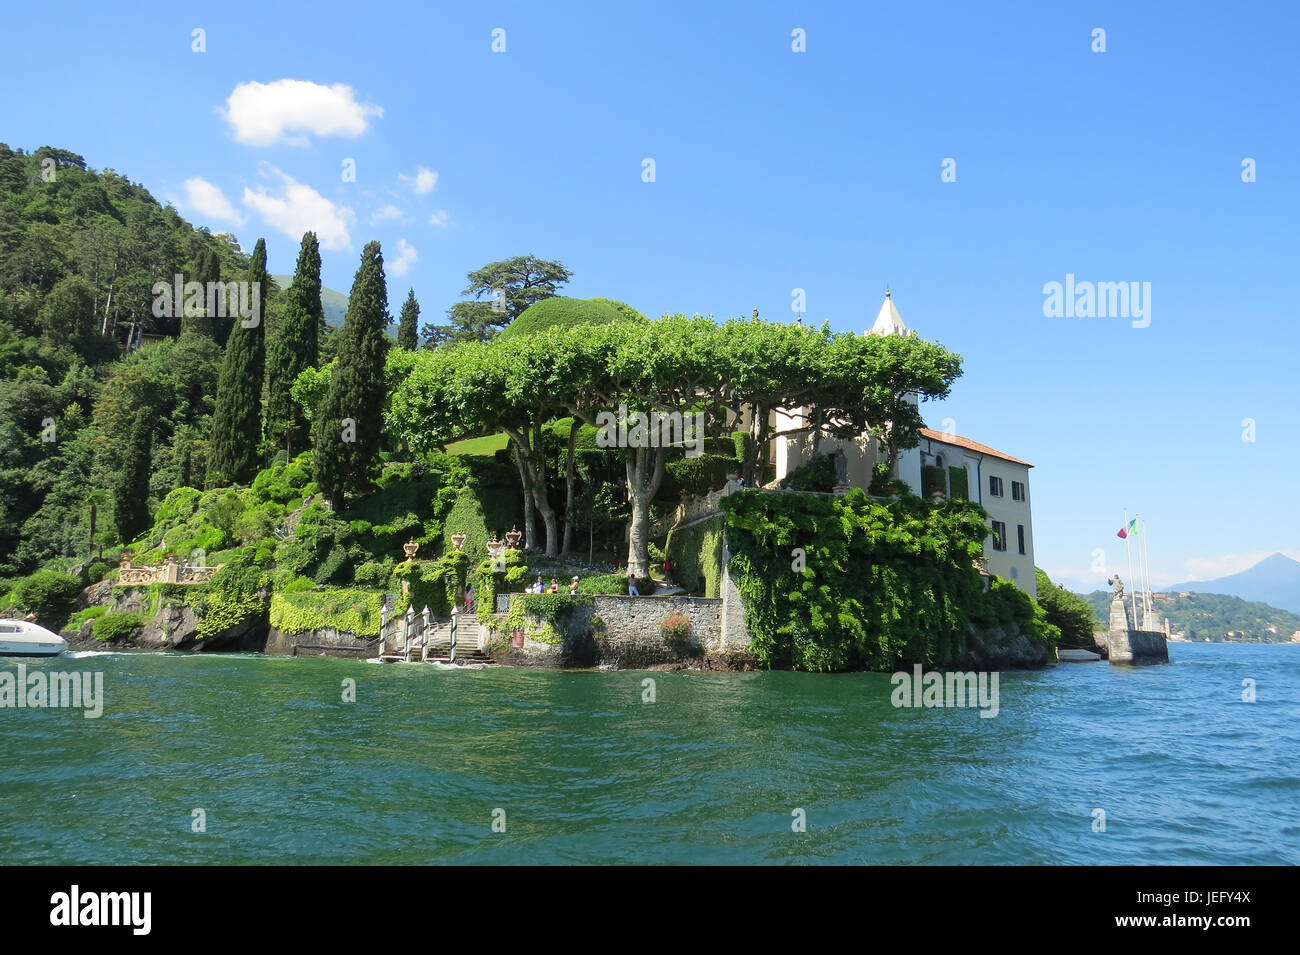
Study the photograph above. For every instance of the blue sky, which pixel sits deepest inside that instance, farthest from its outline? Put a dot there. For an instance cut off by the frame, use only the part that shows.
(776, 171)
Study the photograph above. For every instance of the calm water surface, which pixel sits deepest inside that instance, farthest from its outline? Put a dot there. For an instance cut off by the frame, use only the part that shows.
(585, 772)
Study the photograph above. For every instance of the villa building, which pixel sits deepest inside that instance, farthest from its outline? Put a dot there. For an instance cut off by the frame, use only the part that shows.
(942, 463)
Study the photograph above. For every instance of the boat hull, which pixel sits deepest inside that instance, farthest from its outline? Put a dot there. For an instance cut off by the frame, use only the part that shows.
(15, 648)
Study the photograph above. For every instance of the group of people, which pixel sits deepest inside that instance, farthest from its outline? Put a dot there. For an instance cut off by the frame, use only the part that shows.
(537, 587)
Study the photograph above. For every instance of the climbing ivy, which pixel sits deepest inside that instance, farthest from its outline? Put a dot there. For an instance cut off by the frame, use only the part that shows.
(841, 583)
(344, 609)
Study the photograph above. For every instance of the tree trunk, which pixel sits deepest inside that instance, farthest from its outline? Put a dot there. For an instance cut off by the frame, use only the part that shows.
(530, 525)
(533, 466)
(569, 475)
(645, 472)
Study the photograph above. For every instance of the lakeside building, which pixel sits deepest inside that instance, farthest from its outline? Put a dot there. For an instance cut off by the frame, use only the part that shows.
(942, 463)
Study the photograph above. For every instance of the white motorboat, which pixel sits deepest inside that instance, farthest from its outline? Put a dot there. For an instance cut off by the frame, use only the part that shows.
(22, 638)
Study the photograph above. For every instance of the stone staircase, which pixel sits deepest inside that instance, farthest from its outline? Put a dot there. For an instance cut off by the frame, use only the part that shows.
(433, 646)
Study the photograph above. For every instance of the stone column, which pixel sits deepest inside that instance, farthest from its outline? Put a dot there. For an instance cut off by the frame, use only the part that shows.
(1119, 615)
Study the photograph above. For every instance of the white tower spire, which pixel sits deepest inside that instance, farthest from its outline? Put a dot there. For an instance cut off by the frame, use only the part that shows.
(888, 321)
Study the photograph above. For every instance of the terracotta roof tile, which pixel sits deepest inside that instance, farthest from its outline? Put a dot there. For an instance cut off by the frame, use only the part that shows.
(958, 441)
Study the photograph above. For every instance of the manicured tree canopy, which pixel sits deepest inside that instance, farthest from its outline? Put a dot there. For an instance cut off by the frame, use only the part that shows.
(347, 427)
(564, 312)
(293, 347)
(675, 365)
(237, 419)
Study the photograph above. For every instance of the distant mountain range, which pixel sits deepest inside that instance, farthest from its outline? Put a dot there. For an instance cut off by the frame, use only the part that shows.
(1274, 580)
(334, 303)
(1215, 617)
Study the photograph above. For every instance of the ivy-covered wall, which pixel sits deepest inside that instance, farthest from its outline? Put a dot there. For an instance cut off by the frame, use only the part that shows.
(344, 609)
(696, 552)
(843, 583)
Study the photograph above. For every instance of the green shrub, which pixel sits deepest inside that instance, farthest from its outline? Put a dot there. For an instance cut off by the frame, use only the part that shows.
(466, 517)
(817, 474)
(113, 627)
(609, 584)
(374, 573)
(81, 616)
(48, 594)
(695, 476)
(98, 571)
(1067, 611)
(742, 441)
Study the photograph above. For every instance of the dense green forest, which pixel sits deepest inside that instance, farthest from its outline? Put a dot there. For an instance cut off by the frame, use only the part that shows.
(1216, 617)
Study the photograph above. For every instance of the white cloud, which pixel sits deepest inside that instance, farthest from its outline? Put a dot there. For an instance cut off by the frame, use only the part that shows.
(422, 182)
(299, 208)
(209, 201)
(406, 257)
(440, 218)
(261, 114)
(388, 213)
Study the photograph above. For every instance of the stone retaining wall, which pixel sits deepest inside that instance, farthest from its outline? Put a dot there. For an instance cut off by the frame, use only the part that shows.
(627, 634)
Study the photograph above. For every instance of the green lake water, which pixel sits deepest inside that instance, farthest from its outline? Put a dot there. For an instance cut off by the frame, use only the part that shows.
(583, 771)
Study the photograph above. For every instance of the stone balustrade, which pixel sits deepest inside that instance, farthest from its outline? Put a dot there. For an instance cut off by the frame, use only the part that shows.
(169, 573)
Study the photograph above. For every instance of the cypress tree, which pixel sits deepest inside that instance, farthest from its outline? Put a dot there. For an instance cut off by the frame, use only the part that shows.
(293, 347)
(237, 418)
(346, 427)
(406, 336)
(206, 268)
(131, 486)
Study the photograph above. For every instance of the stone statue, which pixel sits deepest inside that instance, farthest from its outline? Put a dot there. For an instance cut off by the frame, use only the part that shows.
(1118, 584)
(841, 466)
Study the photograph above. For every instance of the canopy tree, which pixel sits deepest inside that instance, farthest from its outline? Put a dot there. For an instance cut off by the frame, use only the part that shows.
(640, 373)
(501, 292)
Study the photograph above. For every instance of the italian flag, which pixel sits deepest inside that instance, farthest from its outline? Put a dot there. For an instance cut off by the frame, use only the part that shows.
(1132, 528)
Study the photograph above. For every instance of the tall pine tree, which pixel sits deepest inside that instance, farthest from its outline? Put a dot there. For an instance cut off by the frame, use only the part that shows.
(293, 347)
(204, 269)
(237, 418)
(406, 334)
(346, 427)
(131, 484)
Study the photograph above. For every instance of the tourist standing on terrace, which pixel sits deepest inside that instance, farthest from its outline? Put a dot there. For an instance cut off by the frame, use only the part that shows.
(631, 586)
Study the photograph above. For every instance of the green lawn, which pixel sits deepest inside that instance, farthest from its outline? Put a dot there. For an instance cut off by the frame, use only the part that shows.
(485, 446)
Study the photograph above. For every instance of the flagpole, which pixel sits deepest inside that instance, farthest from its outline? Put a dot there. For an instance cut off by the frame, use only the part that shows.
(1146, 551)
(1128, 552)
